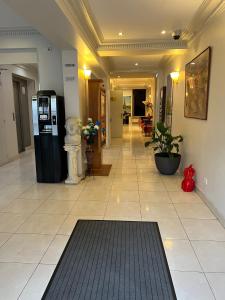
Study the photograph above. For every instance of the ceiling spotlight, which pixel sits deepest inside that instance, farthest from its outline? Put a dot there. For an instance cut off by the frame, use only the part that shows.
(136, 64)
(163, 32)
(120, 33)
(192, 63)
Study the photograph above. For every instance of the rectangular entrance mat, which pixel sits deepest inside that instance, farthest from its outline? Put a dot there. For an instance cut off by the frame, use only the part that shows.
(106, 260)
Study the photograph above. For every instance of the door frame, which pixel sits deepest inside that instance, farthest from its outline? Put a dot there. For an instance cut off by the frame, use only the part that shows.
(21, 82)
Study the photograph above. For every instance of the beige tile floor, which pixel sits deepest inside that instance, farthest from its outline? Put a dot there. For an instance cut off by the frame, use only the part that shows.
(37, 219)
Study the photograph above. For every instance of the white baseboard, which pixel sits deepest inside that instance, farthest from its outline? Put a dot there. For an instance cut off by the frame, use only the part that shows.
(211, 206)
(9, 160)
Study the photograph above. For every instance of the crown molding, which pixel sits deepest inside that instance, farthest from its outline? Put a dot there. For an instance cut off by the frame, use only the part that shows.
(207, 12)
(157, 46)
(150, 44)
(15, 32)
(91, 20)
(77, 14)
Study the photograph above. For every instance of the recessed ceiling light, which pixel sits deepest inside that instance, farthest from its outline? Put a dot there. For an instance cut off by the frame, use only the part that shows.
(120, 33)
(163, 32)
(136, 64)
(192, 63)
(118, 76)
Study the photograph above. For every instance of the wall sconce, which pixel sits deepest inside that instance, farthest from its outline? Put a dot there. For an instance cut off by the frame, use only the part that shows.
(175, 76)
(87, 74)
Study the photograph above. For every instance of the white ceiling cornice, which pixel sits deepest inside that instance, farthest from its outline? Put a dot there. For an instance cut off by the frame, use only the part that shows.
(150, 44)
(156, 47)
(18, 32)
(91, 20)
(209, 10)
(76, 13)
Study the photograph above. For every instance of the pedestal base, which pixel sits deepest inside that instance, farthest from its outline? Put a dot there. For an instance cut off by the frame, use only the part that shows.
(74, 157)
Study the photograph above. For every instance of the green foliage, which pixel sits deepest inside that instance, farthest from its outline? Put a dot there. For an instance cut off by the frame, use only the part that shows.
(163, 141)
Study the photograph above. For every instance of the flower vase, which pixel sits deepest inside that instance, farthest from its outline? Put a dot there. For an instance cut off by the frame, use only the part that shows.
(89, 155)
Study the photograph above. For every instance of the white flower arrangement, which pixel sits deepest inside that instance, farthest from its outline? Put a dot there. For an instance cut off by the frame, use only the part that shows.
(90, 131)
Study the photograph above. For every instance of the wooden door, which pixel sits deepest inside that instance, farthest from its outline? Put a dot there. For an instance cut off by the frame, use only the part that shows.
(116, 108)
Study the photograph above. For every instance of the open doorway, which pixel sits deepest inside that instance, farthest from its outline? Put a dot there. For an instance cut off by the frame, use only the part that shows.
(130, 99)
(139, 96)
(21, 115)
(18, 83)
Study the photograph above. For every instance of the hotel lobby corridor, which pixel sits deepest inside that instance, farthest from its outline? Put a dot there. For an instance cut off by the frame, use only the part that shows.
(36, 220)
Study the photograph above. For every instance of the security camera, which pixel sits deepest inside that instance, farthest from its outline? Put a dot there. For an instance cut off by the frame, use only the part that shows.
(176, 34)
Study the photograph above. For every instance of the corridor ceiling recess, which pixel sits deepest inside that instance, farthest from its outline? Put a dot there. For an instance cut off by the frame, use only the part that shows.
(116, 38)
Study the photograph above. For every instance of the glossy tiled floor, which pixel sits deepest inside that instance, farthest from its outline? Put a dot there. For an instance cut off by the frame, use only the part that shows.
(37, 219)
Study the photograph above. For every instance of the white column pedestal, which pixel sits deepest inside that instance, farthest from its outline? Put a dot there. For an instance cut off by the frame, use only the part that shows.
(73, 157)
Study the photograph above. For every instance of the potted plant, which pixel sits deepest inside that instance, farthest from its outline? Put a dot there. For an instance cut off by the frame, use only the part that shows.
(167, 161)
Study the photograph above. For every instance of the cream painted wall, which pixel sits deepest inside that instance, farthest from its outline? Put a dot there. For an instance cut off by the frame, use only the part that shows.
(71, 83)
(204, 141)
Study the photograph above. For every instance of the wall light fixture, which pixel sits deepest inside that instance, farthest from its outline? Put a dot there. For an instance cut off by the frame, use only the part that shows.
(87, 73)
(175, 76)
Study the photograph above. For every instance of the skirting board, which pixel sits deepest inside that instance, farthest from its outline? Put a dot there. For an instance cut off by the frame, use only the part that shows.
(211, 207)
(11, 159)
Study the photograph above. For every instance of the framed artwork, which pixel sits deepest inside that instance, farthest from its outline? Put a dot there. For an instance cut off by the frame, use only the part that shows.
(197, 78)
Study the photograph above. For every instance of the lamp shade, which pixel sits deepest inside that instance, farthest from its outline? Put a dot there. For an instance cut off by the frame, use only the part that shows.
(87, 73)
(175, 76)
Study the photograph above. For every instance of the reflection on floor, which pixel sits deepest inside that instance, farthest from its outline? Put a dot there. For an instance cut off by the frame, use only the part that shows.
(37, 219)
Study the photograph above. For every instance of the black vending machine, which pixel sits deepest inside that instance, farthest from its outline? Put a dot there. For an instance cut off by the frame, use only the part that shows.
(49, 132)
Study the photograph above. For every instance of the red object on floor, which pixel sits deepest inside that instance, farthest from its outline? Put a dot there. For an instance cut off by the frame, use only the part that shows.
(188, 184)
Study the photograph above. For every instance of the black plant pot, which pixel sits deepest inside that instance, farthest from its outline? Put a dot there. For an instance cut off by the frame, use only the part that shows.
(167, 164)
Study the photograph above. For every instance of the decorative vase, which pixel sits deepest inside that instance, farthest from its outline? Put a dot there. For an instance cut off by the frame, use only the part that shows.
(89, 155)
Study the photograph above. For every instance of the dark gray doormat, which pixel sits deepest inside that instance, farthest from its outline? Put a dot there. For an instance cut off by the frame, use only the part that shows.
(112, 260)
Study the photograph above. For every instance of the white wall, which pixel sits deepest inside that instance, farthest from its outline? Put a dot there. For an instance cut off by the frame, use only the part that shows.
(204, 141)
(34, 48)
(50, 69)
(71, 88)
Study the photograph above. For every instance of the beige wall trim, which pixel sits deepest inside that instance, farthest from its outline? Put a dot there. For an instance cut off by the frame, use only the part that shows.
(211, 206)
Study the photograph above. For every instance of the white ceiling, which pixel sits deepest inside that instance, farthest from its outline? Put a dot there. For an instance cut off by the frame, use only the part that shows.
(92, 27)
(9, 19)
(141, 19)
(145, 62)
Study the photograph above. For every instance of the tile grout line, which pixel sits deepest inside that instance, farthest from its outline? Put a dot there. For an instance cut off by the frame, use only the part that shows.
(203, 273)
